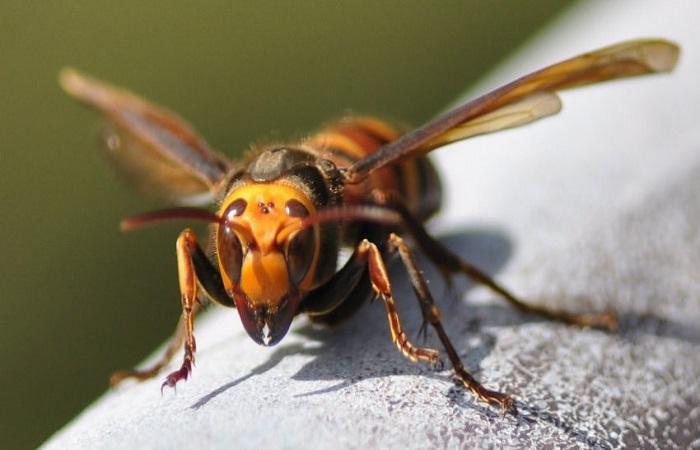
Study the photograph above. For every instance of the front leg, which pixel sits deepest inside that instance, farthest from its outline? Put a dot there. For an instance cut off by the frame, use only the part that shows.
(193, 267)
(174, 346)
(186, 245)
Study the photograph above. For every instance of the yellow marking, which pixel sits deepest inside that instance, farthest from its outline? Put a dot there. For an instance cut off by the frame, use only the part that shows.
(264, 278)
(264, 228)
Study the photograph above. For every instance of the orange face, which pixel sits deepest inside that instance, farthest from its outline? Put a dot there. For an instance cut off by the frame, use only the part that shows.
(266, 259)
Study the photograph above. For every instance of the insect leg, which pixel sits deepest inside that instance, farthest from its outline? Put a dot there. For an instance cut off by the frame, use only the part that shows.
(186, 246)
(193, 267)
(175, 344)
(431, 314)
(449, 263)
(382, 287)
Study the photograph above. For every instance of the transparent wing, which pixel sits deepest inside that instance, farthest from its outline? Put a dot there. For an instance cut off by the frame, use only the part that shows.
(521, 112)
(157, 151)
(622, 60)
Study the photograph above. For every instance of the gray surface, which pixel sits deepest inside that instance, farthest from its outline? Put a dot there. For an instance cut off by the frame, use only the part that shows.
(597, 208)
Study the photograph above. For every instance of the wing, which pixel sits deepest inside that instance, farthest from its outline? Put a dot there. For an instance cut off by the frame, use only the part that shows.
(521, 112)
(524, 100)
(157, 151)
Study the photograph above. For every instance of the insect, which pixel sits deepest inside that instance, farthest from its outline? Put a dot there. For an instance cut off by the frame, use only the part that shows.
(285, 212)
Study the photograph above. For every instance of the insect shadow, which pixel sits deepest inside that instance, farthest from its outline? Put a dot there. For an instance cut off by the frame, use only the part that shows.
(361, 348)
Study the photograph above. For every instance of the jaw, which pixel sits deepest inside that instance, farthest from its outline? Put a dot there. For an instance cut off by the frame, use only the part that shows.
(267, 325)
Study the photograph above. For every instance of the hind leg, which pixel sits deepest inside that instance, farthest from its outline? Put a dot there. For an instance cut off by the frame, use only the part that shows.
(431, 314)
(450, 263)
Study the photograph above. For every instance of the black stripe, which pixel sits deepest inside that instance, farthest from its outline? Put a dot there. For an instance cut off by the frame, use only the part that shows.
(429, 188)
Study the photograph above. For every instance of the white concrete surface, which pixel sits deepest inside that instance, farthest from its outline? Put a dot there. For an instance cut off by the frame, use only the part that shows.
(595, 208)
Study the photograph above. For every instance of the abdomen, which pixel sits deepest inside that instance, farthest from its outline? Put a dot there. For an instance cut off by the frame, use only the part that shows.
(349, 140)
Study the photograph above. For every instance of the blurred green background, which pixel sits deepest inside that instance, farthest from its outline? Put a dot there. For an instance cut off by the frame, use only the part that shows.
(79, 299)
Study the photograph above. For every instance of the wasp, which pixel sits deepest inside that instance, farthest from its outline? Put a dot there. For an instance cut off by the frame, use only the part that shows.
(286, 212)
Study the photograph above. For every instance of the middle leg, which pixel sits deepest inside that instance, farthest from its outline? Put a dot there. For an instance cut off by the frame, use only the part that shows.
(381, 285)
(194, 270)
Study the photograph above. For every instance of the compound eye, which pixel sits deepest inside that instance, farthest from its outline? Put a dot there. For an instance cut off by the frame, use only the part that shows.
(228, 246)
(230, 253)
(299, 254)
(300, 250)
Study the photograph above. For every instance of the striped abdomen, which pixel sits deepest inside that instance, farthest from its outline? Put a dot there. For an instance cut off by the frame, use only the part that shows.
(351, 139)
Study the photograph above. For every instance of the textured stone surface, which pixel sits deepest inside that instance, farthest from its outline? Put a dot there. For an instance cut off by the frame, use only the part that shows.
(597, 208)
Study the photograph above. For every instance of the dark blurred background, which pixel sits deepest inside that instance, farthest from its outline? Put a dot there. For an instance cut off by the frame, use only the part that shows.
(79, 299)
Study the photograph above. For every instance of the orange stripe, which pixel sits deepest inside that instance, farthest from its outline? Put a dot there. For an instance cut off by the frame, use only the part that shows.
(354, 138)
(377, 127)
(331, 140)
